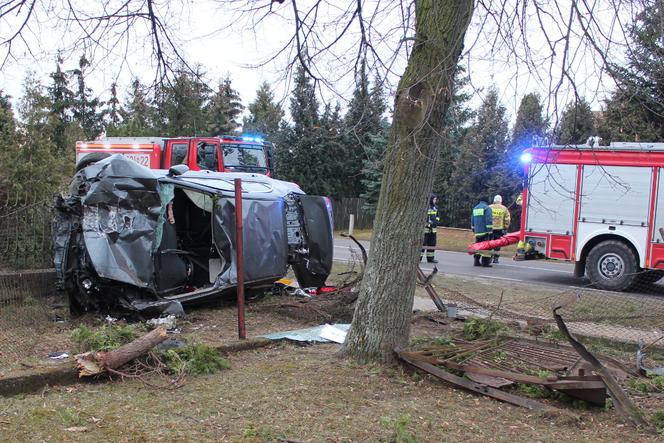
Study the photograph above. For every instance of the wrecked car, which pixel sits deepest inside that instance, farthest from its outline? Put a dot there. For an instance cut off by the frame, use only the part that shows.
(135, 239)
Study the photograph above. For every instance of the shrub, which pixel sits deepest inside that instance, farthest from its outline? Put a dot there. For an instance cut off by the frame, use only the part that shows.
(105, 339)
(481, 328)
(195, 359)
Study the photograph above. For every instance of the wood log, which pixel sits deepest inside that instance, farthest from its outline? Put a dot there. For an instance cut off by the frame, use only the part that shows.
(94, 363)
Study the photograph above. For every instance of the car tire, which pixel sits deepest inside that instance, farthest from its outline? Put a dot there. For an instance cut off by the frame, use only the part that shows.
(90, 159)
(612, 265)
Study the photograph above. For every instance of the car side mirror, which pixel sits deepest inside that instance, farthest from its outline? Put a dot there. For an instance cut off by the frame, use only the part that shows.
(176, 170)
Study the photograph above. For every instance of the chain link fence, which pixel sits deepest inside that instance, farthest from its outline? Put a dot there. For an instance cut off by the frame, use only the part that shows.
(630, 317)
(30, 308)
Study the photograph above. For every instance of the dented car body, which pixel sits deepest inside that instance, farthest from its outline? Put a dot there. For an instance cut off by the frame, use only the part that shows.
(130, 238)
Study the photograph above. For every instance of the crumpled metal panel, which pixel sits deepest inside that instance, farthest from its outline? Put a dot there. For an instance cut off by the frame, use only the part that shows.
(318, 224)
(264, 239)
(121, 212)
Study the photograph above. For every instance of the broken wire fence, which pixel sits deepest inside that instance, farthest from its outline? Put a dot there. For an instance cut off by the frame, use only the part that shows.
(29, 305)
(629, 317)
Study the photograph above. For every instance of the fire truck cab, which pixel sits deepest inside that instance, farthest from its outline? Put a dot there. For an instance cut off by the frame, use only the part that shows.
(222, 154)
(600, 207)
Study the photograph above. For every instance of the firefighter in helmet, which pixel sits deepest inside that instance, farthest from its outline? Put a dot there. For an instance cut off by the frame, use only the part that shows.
(430, 230)
(501, 221)
(482, 223)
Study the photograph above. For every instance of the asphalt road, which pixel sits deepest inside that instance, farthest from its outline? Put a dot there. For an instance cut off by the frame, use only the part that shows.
(540, 272)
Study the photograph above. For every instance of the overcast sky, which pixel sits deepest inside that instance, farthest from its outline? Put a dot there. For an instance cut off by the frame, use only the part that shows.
(238, 50)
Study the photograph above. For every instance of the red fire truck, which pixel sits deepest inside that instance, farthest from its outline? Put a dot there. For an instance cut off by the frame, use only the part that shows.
(225, 154)
(600, 207)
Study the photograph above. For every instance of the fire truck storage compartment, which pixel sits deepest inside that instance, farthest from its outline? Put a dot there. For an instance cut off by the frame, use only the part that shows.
(657, 251)
(551, 191)
(615, 199)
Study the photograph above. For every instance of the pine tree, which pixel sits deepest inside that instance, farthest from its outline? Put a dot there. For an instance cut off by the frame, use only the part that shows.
(576, 124)
(635, 111)
(530, 126)
(265, 115)
(85, 105)
(8, 140)
(330, 154)
(363, 124)
(140, 118)
(33, 153)
(456, 126)
(62, 99)
(113, 114)
(182, 106)
(372, 167)
(224, 109)
(295, 154)
(482, 167)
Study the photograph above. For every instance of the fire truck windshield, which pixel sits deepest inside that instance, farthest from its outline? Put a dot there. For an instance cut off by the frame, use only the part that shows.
(244, 157)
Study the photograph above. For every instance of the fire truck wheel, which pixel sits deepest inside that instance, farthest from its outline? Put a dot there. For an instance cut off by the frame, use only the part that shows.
(90, 159)
(611, 265)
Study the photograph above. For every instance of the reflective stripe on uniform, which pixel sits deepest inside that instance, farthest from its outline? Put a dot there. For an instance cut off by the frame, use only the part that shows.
(478, 212)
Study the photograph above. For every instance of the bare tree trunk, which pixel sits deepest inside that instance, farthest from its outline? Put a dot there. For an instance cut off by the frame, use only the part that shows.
(93, 363)
(384, 307)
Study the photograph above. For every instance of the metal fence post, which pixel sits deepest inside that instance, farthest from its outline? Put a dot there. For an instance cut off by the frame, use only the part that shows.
(239, 250)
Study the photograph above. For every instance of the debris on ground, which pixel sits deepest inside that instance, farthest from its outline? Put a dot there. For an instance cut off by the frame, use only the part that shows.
(168, 323)
(506, 362)
(58, 355)
(95, 363)
(623, 404)
(326, 333)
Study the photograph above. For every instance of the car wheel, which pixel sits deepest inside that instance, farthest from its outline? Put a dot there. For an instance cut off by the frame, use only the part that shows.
(90, 159)
(612, 265)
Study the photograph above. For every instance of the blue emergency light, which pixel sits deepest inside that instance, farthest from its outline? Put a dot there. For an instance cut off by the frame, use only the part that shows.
(526, 157)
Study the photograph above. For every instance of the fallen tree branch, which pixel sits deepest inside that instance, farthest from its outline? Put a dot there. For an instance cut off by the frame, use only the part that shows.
(94, 363)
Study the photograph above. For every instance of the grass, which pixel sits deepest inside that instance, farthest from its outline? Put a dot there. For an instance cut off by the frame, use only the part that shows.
(292, 393)
(449, 239)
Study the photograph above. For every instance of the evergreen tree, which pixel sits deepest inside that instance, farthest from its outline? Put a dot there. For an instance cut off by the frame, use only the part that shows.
(7, 119)
(333, 179)
(635, 111)
(34, 154)
(140, 118)
(482, 167)
(85, 105)
(224, 109)
(363, 124)
(456, 126)
(296, 154)
(113, 114)
(182, 105)
(62, 100)
(530, 126)
(378, 129)
(576, 124)
(265, 115)
(8, 139)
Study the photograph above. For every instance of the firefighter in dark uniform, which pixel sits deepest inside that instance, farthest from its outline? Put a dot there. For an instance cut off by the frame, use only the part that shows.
(430, 229)
(482, 223)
